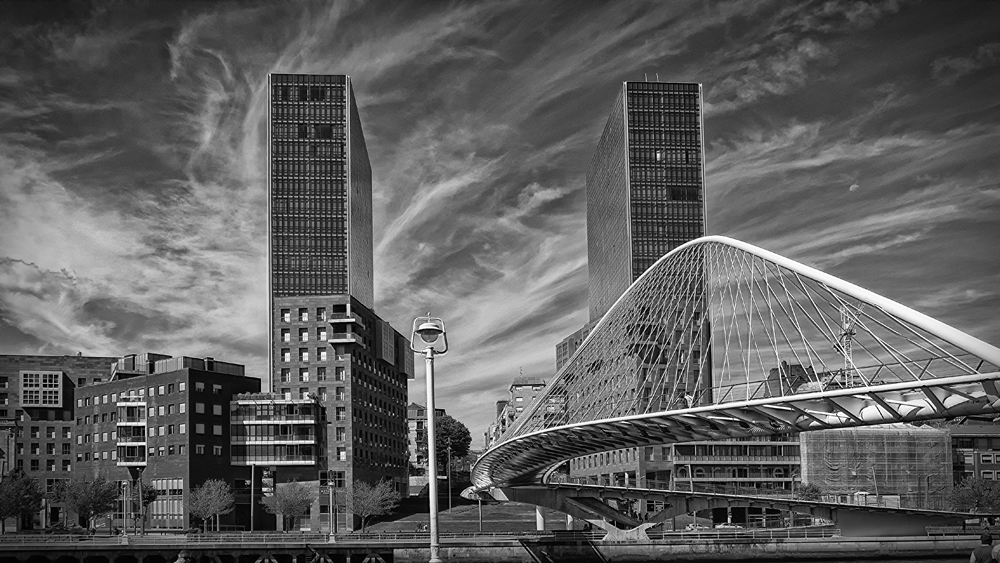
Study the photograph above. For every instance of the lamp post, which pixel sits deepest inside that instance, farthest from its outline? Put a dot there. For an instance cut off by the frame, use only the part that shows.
(433, 341)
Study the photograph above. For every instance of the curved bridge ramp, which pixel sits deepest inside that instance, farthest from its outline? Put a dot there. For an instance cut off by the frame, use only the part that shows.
(720, 339)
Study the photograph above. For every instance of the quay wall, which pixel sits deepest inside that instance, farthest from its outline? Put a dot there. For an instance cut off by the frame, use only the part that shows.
(737, 549)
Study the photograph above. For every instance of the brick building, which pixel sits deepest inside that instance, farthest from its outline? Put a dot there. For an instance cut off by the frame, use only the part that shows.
(167, 421)
(37, 421)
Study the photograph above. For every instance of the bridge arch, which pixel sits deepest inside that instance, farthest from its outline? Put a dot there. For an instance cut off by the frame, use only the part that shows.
(721, 339)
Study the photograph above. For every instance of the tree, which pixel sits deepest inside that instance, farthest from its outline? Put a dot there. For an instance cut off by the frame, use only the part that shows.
(147, 496)
(20, 495)
(809, 492)
(369, 501)
(89, 499)
(290, 500)
(212, 498)
(976, 495)
(448, 434)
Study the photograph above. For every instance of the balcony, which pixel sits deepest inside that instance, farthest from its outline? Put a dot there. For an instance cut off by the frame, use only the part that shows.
(344, 318)
(343, 338)
(132, 440)
(287, 460)
(131, 456)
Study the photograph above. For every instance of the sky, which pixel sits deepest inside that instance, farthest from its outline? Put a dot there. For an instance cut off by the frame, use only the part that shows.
(861, 138)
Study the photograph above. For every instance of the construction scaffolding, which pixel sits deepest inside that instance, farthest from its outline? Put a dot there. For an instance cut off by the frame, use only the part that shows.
(889, 465)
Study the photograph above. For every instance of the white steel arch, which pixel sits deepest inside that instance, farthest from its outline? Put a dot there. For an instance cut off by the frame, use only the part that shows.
(722, 339)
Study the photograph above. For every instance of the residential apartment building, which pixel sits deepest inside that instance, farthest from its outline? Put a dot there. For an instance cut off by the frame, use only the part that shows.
(326, 339)
(416, 420)
(522, 393)
(975, 450)
(568, 346)
(37, 420)
(164, 420)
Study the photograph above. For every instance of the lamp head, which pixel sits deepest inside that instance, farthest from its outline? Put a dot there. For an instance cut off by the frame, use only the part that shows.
(431, 332)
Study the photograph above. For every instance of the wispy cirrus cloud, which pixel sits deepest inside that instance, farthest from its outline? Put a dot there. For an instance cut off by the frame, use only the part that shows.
(949, 69)
(133, 199)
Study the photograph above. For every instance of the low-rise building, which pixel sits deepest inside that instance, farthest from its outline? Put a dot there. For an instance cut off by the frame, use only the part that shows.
(37, 421)
(166, 421)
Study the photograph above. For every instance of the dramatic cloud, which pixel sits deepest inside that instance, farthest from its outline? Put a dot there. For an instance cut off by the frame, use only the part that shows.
(133, 158)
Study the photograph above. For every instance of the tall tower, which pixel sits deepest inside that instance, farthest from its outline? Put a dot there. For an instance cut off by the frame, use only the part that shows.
(326, 342)
(645, 186)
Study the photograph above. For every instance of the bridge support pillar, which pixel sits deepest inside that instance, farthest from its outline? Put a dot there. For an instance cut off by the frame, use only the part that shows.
(539, 519)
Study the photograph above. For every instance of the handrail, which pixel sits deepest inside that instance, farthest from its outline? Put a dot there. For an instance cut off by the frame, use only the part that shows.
(382, 537)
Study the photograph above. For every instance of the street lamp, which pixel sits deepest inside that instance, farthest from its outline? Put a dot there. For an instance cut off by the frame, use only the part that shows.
(433, 341)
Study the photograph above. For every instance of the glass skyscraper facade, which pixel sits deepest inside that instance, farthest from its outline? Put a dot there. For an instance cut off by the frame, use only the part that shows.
(645, 186)
(320, 189)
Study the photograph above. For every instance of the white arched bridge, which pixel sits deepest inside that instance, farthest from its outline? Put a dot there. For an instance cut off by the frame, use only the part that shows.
(721, 339)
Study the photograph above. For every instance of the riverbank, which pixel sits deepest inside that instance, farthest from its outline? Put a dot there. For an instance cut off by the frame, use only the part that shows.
(714, 549)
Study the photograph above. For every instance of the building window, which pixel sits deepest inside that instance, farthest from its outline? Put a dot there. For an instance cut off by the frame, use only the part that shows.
(170, 408)
(66, 464)
(320, 313)
(199, 428)
(199, 387)
(341, 453)
(303, 392)
(217, 410)
(34, 465)
(67, 448)
(341, 413)
(161, 410)
(303, 354)
(199, 408)
(321, 334)
(170, 387)
(322, 393)
(286, 355)
(984, 474)
(286, 317)
(217, 450)
(341, 433)
(286, 335)
(181, 449)
(182, 428)
(170, 450)
(321, 354)
(286, 374)
(303, 374)
(199, 449)
(216, 389)
(303, 314)
(341, 396)
(217, 429)
(303, 335)
(339, 373)
(985, 458)
(182, 408)
(170, 429)
(182, 386)
(161, 390)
